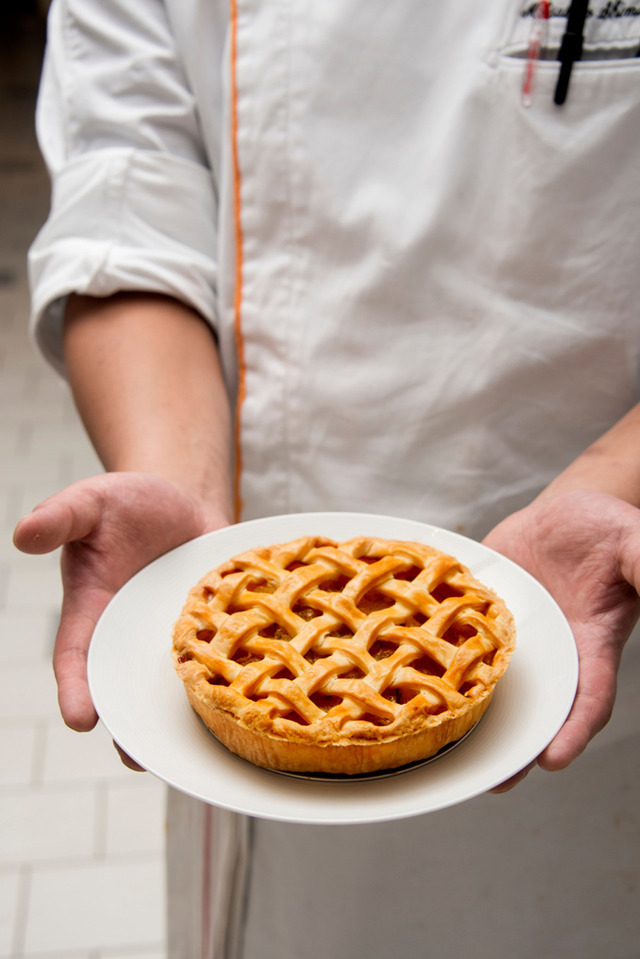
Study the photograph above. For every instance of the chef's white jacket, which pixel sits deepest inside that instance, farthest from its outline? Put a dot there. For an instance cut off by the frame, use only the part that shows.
(425, 295)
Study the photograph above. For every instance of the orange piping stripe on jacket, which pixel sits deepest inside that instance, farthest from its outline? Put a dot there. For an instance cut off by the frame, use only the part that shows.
(238, 264)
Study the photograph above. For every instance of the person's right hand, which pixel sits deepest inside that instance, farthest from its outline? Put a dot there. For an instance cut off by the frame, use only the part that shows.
(109, 527)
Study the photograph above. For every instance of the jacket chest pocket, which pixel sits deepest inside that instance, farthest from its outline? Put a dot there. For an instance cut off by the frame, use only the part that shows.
(610, 47)
(568, 207)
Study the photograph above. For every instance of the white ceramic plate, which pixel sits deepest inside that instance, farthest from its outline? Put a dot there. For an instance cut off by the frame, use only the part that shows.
(142, 702)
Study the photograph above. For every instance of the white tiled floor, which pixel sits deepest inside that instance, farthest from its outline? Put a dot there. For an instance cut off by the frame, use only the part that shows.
(81, 847)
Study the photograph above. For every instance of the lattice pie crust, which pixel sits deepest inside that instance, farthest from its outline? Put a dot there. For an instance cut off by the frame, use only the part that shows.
(315, 656)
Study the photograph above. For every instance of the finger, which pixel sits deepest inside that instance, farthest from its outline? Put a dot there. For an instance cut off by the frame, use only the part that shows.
(81, 610)
(63, 518)
(571, 741)
(74, 698)
(589, 714)
(127, 760)
(509, 784)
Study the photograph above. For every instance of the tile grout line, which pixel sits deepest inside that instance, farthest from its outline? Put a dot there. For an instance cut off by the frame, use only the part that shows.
(38, 755)
(84, 862)
(100, 822)
(24, 439)
(22, 912)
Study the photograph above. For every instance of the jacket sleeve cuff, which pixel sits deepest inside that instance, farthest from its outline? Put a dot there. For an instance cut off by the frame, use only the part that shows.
(123, 219)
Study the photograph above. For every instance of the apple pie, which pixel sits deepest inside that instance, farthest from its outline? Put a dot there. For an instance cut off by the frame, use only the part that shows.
(323, 657)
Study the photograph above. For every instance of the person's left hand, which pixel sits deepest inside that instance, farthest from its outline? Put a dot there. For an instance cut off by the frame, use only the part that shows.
(584, 547)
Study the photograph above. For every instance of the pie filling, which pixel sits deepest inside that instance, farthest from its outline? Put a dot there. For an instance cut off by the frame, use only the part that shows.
(317, 656)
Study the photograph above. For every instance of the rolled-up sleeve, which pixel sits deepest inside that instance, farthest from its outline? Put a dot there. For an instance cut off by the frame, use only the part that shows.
(133, 197)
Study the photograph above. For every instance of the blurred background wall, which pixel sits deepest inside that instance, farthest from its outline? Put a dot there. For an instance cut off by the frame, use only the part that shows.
(81, 837)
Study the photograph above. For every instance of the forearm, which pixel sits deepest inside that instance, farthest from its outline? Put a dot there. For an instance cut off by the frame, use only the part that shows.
(146, 379)
(610, 465)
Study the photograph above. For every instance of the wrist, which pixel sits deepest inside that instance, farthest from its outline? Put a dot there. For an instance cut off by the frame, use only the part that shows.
(211, 507)
(207, 492)
(580, 478)
(610, 465)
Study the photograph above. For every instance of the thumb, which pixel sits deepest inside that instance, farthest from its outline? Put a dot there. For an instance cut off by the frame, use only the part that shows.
(63, 518)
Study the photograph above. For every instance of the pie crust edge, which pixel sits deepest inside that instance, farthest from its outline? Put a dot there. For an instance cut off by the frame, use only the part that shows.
(349, 758)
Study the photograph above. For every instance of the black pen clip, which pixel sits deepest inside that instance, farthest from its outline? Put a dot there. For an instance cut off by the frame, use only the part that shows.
(571, 47)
